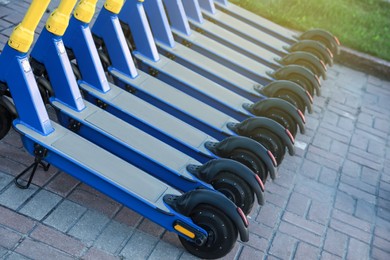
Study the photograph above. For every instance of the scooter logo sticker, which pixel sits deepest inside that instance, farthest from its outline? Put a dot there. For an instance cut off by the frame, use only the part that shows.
(60, 47)
(26, 65)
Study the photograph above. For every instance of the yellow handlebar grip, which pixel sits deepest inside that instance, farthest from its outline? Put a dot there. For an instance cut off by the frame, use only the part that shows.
(114, 6)
(23, 35)
(85, 10)
(59, 19)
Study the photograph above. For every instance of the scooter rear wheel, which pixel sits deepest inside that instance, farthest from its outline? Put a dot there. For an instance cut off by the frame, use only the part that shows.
(5, 121)
(251, 161)
(292, 98)
(236, 190)
(222, 233)
(270, 141)
(284, 119)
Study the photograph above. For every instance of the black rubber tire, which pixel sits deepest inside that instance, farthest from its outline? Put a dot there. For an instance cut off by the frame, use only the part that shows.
(222, 233)
(301, 81)
(76, 71)
(251, 161)
(270, 141)
(292, 98)
(236, 190)
(5, 121)
(284, 119)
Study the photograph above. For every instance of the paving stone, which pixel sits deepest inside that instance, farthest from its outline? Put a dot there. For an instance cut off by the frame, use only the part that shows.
(304, 223)
(8, 239)
(311, 169)
(382, 244)
(165, 251)
(357, 183)
(283, 246)
(3, 251)
(298, 204)
(300, 233)
(328, 256)
(250, 253)
(40, 205)
(96, 254)
(65, 215)
(322, 141)
(319, 212)
(140, 246)
(365, 210)
(58, 240)
(15, 221)
(328, 176)
(36, 250)
(306, 251)
(93, 202)
(89, 226)
(370, 176)
(351, 220)
(112, 237)
(350, 230)
(360, 141)
(62, 184)
(339, 148)
(171, 238)
(336, 242)
(357, 193)
(16, 256)
(376, 253)
(357, 250)
(269, 215)
(151, 228)
(351, 168)
(13, 197)
(314, 190)
(5, 179)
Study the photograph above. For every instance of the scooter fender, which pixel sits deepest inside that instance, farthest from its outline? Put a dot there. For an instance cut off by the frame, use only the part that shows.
(187, 202)
(302, 58)
(313, 47)
(274, 87)
(324, 37)
(210, 170)
(228, 145)
(262, 107)
(287, 73)
(252, 124)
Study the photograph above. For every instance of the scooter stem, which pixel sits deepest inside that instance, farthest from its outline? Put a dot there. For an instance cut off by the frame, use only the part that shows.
(59, 19)
(23, 35)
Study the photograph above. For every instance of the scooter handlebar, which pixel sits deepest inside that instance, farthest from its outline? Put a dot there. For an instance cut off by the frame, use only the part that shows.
(23, 35)
(59, 18)
(85, 10)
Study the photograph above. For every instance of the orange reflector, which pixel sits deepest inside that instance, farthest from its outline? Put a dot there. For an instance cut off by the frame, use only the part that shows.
(272, 158)
(310, 96)
(318, 79)
(337, 40)
(302, 116)
(290, 135)
(184, 231)
(242, 215)
(323, 65)
(259, 181)
(330, 53)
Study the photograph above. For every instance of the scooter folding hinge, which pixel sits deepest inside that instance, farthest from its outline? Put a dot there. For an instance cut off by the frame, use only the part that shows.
(186, 43)
(101, 104)
(74, 125)
(40, 153)
(153, 72)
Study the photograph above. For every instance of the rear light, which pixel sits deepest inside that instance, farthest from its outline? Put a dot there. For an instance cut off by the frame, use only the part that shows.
(290, 136)
(302, 116)
(310, 96)
(272, 158)
(260, 182)
(243, 217)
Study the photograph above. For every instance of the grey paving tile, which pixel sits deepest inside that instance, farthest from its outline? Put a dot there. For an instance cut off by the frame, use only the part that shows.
(165, 251)
(40, 205)
(89, 226)
(140, 246)
(5, 179)
(113, 236)
(16, 256)
(13, 197)
(65, 215)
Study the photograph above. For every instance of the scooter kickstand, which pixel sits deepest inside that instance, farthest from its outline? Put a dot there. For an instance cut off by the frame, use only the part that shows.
(40, 154)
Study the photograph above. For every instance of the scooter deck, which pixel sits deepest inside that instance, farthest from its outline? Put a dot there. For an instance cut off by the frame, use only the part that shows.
(133, 141)
(150, 115)
(212, 70)
(247, 31)
(256, 21)
(232, 40)
(198, 86)
(222, 54)
(110, 169)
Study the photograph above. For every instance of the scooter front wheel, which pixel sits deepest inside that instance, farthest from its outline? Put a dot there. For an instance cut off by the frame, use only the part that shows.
(236, 190)
(222, 233)
(5, 121)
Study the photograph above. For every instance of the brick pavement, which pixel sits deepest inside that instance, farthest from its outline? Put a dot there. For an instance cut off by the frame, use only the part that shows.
(331, 201)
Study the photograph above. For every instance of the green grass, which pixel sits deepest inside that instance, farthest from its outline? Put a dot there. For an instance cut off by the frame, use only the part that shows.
(363, 25)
